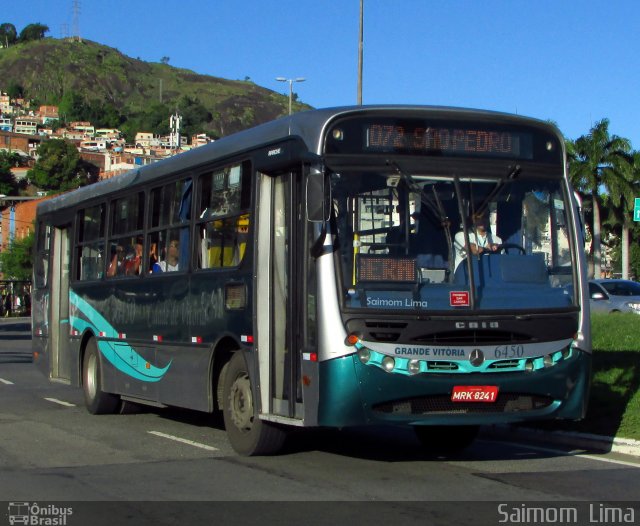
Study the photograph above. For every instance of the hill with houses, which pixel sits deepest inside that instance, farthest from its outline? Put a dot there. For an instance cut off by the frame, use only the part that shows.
(131, 94)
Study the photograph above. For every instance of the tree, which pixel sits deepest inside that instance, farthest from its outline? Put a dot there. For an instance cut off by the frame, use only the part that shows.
(72, 106)
(59, 167)
(33, 32)
(164, 60)
(8, 34)
(592, 168)
(15, 261)
(8, 183)
(622, 199)
(15, 90)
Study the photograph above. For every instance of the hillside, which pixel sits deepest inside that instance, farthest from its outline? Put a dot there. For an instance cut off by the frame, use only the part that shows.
(101, 77)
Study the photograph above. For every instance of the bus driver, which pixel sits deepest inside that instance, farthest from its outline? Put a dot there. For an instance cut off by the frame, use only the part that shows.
(480, 239)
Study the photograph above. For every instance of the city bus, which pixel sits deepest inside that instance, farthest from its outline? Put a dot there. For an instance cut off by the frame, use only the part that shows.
(303, 273)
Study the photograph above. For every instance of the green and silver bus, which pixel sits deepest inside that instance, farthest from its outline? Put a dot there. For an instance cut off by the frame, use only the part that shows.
(312, 271)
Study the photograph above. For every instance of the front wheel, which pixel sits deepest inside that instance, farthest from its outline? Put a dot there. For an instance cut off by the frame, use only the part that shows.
(97, 401)
(247, 433)
(446, 439)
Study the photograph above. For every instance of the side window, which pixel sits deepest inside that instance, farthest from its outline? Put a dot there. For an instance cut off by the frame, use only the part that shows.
(41, 270)
(223, 218)
(168, 239)
(126, 239)
(90, 243)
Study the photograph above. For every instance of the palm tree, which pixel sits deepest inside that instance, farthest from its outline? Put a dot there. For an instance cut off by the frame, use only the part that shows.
(622, 197)
(593, 168)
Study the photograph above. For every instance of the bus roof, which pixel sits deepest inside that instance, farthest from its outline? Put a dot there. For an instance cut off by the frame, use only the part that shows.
(308, 126)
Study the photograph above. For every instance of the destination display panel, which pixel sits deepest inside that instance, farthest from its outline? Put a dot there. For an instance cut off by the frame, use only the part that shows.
(441, 138)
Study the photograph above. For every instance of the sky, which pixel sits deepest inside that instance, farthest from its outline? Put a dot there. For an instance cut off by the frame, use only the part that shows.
(571, 62)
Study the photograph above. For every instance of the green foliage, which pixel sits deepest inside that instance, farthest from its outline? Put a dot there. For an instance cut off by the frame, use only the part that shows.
(71, 107)
(8, 34)
(59, 167)
(193, 115)
(16, 261)
(33, 32)
(15, 91)
(8, 183)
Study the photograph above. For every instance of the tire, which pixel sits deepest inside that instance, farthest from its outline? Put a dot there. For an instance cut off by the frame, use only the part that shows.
(97, 401)
(446, 440)
(247, 433)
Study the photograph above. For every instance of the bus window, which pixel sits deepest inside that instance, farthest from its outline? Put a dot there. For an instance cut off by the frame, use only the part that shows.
(126, 243)
(166, 250)
(223, 226)
(170, 206)
(41, 270)
(127, 214)
(90, 250)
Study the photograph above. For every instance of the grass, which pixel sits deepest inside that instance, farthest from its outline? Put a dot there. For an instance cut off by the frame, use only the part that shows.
(614, 406)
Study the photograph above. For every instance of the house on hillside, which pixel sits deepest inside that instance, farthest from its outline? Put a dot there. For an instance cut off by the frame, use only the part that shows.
(48, 114)
(26, 126)
(6, 124)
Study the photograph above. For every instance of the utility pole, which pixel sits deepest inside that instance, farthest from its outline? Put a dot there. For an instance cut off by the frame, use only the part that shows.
(360, 48)
(76, 20)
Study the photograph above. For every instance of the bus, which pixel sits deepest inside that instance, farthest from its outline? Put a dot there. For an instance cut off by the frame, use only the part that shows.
(303, 273)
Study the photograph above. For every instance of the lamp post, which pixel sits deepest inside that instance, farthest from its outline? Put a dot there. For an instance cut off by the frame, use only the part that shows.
(290, 81)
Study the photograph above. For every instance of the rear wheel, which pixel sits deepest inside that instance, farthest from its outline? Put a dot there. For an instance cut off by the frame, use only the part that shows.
(97, 401)
(446, 439)
(247, 433)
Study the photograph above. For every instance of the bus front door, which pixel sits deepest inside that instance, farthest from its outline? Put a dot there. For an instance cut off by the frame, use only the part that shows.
(60, 365)
(277, 314)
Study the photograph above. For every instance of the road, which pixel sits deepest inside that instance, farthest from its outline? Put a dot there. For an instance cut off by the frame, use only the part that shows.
(159, 466)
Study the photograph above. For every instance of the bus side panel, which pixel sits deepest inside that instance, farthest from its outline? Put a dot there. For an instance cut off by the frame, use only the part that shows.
(188, 380)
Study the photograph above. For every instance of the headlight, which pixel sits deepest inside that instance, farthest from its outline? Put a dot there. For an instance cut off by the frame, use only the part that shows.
(388, 363)
(364, 354)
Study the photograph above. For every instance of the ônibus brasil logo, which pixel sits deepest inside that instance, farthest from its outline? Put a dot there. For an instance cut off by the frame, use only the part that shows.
(34, 514)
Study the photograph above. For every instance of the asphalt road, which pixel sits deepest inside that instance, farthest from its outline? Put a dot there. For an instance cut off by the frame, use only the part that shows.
(159, 466)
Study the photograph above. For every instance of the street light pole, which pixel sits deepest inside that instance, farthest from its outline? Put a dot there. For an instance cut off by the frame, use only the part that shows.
(360, 47)
(290, 81)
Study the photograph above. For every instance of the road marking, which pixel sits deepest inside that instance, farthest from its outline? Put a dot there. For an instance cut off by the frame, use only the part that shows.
(6, 382)
(183, 440)
(574, 453)
(60, 402)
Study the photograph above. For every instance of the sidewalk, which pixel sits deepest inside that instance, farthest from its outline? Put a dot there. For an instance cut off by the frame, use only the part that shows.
(595, 443)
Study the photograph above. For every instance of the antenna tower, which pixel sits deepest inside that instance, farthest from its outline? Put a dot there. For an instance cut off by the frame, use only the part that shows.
(75, 6)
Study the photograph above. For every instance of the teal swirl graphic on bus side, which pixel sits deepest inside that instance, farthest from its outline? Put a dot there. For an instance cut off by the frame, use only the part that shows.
(119, 353)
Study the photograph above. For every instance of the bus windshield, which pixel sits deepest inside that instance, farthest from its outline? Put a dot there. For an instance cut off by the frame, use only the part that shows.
(426, 243)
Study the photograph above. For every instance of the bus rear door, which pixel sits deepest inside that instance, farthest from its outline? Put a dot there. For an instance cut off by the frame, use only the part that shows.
(60, 365)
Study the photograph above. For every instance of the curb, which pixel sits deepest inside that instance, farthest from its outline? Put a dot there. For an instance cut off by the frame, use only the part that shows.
(599, 443)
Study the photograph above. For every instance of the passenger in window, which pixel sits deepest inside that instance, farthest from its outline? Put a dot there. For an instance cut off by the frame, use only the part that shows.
(481, 240)
(116, 266)
(171, 263)
(153, 256)
(134, 260)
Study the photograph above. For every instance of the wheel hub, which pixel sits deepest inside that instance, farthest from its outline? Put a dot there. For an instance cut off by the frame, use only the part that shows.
(241, 403)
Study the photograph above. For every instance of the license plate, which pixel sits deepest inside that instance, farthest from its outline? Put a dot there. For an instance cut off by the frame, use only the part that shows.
(474, 393)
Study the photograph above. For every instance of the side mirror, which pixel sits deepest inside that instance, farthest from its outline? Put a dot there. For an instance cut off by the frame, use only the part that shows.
(318, 196)
(597, 296)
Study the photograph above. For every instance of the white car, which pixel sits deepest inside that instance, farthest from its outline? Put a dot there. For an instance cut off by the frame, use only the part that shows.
(614, 295)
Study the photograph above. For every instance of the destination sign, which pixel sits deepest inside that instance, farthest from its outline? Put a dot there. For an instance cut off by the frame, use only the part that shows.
(447, 141)
(442, 137)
